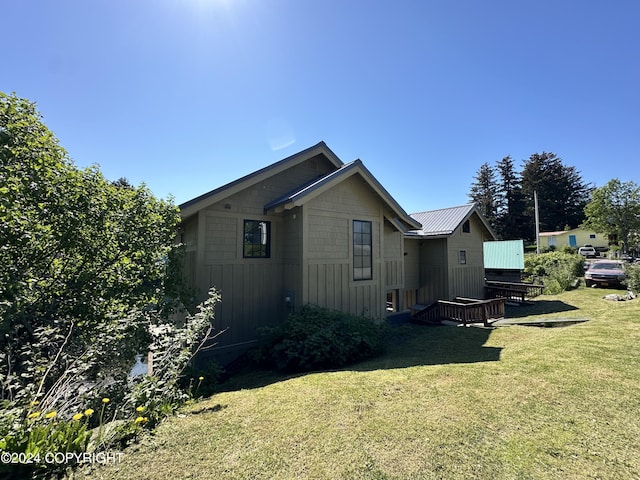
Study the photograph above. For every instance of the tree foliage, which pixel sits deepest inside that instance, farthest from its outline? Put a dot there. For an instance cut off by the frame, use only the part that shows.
(511, 222)
(633, 278)
(614, 209)
(509, 200)
(562, 194)
(78, 252)
(484, 193)
(90, 275)
(557, 271)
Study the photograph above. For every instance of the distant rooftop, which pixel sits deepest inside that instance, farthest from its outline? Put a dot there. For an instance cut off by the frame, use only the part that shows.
(443, 221)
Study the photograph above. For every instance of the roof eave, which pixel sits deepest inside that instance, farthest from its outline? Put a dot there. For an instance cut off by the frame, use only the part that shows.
(356, 167)
(192, 206)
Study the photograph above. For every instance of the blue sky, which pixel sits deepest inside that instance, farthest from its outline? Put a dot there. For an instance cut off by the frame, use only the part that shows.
(187, 95)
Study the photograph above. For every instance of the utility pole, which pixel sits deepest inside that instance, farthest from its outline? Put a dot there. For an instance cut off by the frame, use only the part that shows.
(535, 205)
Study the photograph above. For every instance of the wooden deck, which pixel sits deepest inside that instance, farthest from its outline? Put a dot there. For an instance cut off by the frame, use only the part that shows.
(462, 310)
(513, 291)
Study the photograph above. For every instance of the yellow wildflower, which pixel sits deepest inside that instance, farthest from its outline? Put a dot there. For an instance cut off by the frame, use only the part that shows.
(201, 378)
(51, 414)
(77, 416)
(88, 412)
(34, 415)
(141, 408)
(140, 420)
(105, 400)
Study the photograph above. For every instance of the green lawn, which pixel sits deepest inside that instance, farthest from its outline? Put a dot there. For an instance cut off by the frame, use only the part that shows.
(444, 402)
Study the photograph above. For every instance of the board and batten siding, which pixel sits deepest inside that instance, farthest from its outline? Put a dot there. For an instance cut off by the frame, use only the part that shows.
(311, 251)
(433, 271)
(393, 258)
(248, 298)
(328, 250)
(467, 280)
(252, 289)
(291, 242)
(412, 264)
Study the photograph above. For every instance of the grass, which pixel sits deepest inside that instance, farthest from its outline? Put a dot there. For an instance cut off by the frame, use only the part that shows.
(513, 402)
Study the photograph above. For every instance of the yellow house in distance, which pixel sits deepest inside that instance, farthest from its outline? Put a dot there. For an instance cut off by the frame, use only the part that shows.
(576, 237)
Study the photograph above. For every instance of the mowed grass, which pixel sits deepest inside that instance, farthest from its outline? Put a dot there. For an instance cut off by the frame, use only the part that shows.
(513, 402)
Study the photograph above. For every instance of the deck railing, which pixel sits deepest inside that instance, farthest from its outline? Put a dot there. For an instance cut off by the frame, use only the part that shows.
(516, 291)
(463, 310)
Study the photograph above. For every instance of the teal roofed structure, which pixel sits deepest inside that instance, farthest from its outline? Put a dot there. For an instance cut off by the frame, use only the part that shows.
(504, 260)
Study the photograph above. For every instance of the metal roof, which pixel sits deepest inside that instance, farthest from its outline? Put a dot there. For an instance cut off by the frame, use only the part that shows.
(340, 171)
(443, 221)
(311, 186)
(504, 255)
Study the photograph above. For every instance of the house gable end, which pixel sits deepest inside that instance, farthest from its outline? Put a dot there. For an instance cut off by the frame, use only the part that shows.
(310, 191)
(319, 158)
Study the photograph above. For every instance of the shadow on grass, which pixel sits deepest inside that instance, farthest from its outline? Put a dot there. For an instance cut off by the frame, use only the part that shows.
(406, 346)
(414, 345)
(539, 307)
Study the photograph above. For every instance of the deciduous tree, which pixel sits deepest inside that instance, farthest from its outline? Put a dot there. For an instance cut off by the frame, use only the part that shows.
(88, 266)
(614, 209)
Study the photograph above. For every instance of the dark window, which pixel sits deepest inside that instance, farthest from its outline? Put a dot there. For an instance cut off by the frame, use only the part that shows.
(463, 257)
(257, 239)
(466, 228)
(362, 250)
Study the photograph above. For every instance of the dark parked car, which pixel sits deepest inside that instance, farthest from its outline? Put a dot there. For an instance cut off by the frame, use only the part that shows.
(605, 273)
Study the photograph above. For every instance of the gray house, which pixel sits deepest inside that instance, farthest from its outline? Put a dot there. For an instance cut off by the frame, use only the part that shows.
(444, 259)
(306, 229)
(312, 229)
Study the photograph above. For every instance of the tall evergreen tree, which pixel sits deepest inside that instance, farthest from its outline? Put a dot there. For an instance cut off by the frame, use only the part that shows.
(483, 192)
(511, 220)
(562, 195)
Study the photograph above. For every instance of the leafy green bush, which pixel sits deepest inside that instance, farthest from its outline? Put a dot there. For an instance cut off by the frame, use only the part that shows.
(318, 338)
(568, 249)
(633, 278)
(557, 271)
(90, 277)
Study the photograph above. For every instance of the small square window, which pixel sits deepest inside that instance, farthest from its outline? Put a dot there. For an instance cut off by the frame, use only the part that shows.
(463, 257)
(257, 239)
